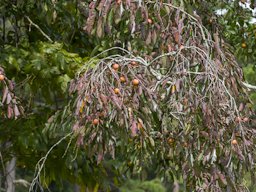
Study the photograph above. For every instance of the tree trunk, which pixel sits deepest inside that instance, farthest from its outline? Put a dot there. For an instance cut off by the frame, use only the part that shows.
(10, 175)
(76, 188)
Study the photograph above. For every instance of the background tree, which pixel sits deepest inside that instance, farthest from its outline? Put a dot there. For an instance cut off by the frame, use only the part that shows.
(42, 70)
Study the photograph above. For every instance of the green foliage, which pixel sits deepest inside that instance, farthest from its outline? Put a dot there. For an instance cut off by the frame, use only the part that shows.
(48, 66)
(250, 74)
(143, 186)
(240, 32)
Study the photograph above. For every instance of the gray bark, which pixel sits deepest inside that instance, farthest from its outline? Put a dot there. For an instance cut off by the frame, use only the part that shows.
(76, 188)
(10, 175)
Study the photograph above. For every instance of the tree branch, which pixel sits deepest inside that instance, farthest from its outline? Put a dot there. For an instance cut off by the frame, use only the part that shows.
(41, 162)
(22, 182)
(249, 86)
(41, 31)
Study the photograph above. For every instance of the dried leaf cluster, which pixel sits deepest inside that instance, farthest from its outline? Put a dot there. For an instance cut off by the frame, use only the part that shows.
(10, 103)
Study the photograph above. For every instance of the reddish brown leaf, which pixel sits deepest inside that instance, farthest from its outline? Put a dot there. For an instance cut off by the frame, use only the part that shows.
(106, 8)
(134, 128)
(100, 157)
(117, 101)
(5, 92)
(9, 98)
(100, 6)
(75, 126)
(16, 111)
(222, 178)
(9, 111)
(241, 107)
(132, 23)
(154, 36)
(234, 85)
(204, 133)
(100, 27)
(91, 19)
(148, 40)
(11, 85)
(176, 35)
(178, 82)
(128, 3)
(80, 140)
(104, 98)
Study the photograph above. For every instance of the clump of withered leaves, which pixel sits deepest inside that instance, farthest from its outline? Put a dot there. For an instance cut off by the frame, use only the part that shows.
(10, 104)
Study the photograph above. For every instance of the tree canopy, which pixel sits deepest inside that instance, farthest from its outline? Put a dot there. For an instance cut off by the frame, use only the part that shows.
(97, 92)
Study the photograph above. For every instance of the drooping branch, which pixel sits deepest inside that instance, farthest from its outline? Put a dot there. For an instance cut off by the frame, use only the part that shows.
(41, 163)
(22, 182)
(249, 86)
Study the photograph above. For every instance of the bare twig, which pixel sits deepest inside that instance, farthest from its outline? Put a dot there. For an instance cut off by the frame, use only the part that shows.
(41, 31)
(41, 162)
(2, 162)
